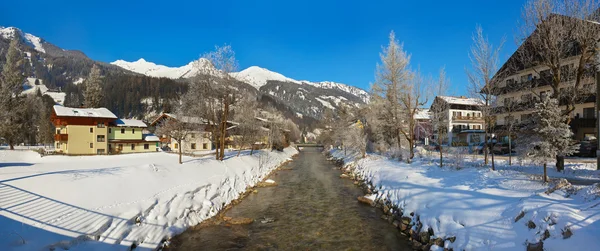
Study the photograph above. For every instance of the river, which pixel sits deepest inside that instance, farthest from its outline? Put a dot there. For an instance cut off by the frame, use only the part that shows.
(312, 208)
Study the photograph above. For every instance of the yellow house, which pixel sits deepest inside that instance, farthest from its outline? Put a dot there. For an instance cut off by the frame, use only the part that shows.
(89, 131)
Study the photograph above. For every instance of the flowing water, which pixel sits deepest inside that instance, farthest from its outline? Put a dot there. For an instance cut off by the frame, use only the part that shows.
(312, 208)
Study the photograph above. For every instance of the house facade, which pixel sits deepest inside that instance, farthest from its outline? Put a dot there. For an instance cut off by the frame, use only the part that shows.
(461, 115)
(423, 129)
(520, 90)
(90, 131)
(197, 140)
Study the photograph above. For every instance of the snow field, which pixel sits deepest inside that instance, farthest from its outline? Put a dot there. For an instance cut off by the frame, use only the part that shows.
(112, 202)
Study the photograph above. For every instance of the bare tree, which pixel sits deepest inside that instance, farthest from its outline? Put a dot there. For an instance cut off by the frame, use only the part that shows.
(393, 76)
(558, 40)
(484, 64)
(92, 92)
(440, 115)
(248, 128)
(176, 129)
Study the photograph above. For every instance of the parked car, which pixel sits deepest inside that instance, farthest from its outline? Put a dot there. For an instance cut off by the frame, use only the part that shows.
(503, 148)
(587, 148)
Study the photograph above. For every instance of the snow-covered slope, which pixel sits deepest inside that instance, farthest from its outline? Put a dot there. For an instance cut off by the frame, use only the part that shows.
(36, 42)
(257, 76)
(153, 70)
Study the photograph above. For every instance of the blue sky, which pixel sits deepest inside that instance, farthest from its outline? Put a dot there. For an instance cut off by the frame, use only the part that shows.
(314, 40)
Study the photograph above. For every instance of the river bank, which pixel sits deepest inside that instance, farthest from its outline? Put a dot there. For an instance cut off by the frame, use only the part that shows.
(474, 208)
(118, 202)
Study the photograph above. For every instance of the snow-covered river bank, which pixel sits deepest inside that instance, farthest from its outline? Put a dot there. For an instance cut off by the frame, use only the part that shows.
(475, 208)
(114, 202)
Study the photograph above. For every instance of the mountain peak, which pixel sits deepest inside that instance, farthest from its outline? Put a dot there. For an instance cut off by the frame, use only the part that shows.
(258, 76)
(11, 32)
(193, 68)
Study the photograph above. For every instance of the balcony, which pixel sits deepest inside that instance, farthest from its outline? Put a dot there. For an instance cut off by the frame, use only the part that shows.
(61, 137)
(467, 118)
(583, 123)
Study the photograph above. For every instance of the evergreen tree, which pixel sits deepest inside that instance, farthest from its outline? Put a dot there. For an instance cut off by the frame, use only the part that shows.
(10, 94)
(92, 92)
(548, 135)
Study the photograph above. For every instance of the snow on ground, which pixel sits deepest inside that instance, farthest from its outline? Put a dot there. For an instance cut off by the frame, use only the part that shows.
(479, 206)
(67, 202)
(31, 88)
(78, 81)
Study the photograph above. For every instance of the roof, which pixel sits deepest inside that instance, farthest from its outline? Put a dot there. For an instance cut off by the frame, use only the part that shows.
(186, 119)
(130, 123)
(83, 112)
(423, 114)
(472, 131)
(461, 100)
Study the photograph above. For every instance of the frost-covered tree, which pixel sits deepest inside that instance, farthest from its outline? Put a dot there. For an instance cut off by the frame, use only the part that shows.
(11, 126)
(392, 79)
(484, 64)
(356, 138)
(92, 92)
(548, 135)
(439, 113)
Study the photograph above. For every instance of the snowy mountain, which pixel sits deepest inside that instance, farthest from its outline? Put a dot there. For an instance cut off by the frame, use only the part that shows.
(201, 66)
(258, 77)
(35, 42)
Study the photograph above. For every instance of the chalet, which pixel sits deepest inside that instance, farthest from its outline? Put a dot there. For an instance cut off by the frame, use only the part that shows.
(88, 131)
(198, 140)
(461, 114)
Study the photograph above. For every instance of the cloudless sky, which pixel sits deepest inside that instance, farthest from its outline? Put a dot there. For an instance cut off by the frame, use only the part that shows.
(312, 40)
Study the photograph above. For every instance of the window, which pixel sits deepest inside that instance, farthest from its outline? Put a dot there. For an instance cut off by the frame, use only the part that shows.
(100, 151)
(100, 138)
(526, 78)
(120, 147)
(100, 125)
(91, 145)
(122, 130)
(543, 94)
(588, 113)
(133, 130)
(109, 130)
(57, 131)
(193, 146)
(508, 101)
(132, 146)
(91, 130)
(175, 145)
(204, 146)
(193, 135)
(146, 146)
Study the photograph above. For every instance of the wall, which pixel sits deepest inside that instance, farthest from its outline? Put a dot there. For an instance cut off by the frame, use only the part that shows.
(139, 147)
(115, 133)
(197, 138)
(80, 139)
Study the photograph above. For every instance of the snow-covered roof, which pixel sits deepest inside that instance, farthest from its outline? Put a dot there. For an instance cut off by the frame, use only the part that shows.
(83, 112)
(130, 123)
(423, 114)
(461, 100)
(150, 137)
(188, 119)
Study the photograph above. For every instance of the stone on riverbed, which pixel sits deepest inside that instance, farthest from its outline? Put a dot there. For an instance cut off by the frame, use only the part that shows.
(238, 221)
(267, 220)
(366, 200)
(267, 183)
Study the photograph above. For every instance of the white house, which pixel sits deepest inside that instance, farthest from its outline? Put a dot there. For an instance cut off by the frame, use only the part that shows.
(461, 114)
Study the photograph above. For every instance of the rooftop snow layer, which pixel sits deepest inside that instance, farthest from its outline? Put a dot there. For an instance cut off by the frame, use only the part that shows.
(83, 112)
(130, 123)
(461, 100)
(150, 137)
(423, 114)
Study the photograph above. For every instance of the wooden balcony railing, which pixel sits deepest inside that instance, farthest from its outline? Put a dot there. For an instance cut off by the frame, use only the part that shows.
(61, 137)
(469, 118)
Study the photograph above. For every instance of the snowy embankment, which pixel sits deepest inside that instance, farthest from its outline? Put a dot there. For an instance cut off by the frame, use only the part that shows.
(114, 202)
(485, 209)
